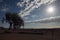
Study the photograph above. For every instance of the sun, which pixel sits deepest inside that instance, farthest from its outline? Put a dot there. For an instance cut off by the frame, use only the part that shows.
(50, 9)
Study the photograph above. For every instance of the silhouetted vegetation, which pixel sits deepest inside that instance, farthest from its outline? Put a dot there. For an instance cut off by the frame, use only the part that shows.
(1, 28)
(14, 20)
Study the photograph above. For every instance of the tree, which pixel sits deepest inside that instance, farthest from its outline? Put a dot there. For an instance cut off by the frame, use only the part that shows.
(17, 21)
(14, 20)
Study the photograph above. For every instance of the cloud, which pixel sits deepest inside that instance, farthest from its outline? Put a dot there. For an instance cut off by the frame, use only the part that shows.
(4, 9)
(31, 5)
(33, 16)
(25, 17)
(1, 0)
(46, 20)
(21, 4)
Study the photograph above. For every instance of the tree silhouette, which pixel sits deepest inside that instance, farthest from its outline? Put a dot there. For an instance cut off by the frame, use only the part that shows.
(14, 20)
(8, 18)
(17, 21)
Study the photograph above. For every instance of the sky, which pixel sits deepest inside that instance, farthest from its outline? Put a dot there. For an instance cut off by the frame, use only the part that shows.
(35, 13)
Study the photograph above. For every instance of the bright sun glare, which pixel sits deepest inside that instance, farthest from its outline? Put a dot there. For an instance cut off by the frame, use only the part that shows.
(50, 9)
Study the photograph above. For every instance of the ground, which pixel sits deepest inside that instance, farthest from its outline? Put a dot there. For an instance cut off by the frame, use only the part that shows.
(30, 34)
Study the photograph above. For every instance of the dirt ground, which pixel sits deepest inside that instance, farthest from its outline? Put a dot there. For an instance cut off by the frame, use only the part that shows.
(26, 36)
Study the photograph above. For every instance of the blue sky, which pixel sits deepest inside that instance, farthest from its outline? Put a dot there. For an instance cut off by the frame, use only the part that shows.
(33, 10)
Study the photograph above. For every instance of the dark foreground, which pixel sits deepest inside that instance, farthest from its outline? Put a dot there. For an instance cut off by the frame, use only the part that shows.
(30, 34)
